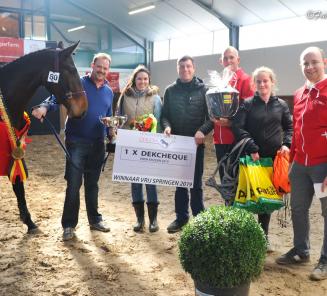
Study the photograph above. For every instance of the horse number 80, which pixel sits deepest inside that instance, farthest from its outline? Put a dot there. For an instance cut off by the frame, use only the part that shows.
(53, 77)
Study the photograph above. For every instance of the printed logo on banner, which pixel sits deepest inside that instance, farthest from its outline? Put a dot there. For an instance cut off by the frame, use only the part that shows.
(11, 49)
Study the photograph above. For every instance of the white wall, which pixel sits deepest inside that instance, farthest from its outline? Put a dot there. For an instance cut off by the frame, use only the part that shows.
(284, 60)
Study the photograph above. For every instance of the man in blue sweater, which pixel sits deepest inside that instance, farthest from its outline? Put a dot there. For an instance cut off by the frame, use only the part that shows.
(84, 140)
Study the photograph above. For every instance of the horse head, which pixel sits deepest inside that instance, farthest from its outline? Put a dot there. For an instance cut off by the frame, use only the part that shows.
(64, 82)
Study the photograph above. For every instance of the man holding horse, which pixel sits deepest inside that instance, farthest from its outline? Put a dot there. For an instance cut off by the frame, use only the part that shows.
(84, 140)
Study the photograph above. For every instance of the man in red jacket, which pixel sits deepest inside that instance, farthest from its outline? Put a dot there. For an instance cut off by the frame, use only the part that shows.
(223, 137)
(309, 156)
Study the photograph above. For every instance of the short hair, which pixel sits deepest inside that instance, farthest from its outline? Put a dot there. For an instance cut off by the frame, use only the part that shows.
(312, 49)
(230, 48)
(271, 74)
(185, 58)
(101, 55)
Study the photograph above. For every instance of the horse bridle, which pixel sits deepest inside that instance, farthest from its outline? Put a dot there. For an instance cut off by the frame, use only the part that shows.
(68, 95)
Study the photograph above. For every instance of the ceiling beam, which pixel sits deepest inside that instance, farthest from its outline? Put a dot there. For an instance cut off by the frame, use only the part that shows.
(100, 17)
(233, 29)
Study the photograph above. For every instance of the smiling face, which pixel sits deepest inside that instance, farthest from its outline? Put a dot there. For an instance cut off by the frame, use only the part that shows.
(186, 70)
(231, 59)
(100, 70)
(142, 80)
(313, 65)
(264, 84)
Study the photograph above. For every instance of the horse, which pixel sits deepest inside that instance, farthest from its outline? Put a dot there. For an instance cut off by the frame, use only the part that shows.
(55, 70)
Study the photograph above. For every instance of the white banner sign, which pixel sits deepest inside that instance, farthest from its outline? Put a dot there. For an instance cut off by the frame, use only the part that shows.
(149, 158)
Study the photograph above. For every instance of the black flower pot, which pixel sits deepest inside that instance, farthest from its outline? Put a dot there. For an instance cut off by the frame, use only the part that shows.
(202, 289)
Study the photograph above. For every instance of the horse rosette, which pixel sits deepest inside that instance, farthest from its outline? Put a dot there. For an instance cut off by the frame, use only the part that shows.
(222, 99)
(18, 152)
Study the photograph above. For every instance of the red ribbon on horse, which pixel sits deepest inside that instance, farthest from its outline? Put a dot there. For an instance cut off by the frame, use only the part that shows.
(10, 166)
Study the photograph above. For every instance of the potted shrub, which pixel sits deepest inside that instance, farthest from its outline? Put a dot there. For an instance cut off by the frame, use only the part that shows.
(223, 249)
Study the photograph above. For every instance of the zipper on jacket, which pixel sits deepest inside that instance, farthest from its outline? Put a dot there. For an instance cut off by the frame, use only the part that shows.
(220, 135)
(302, 124)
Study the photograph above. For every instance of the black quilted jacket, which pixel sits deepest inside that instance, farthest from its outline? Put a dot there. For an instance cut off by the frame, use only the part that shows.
(184, 108)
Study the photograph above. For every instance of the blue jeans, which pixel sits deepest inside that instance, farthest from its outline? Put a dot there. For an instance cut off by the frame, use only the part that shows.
(87, 160)
(302, 179)
(151, 193)
(182, 195)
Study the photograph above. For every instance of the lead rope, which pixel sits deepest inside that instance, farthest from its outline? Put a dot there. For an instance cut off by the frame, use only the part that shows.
(68, 156)
(284, 214)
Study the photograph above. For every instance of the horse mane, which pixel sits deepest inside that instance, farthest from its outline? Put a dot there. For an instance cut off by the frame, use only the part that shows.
(18, 62)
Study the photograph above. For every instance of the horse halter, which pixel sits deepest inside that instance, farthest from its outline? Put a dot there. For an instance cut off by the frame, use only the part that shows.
(68, 94)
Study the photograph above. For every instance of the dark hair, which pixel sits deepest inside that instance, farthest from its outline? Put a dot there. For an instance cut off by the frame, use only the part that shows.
(131, 80)
(184, 59)
(137, 70)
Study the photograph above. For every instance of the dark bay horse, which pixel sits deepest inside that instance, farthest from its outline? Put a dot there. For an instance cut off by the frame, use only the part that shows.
(56, 71)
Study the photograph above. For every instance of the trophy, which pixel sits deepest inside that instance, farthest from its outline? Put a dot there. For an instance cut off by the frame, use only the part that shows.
(222, 102)
(222, 99)
(113, 123)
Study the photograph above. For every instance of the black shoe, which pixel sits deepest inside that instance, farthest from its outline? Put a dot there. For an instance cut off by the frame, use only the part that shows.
(69, 233)
(292, 257)
(176, 226)
(320, 271)
(100, 226)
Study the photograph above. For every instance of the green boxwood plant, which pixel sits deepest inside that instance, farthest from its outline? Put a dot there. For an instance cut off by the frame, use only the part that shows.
(223, 247)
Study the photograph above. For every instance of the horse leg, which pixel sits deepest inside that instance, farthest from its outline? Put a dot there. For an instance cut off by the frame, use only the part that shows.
(25, 215)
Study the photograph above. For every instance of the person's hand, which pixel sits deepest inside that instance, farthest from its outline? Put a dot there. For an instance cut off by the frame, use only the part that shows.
(40, 112)
(167, 131)
(284, 150)
(112, 132)
(324, 185)
(199, 138)
(223, 122)
(255, 156)
(106, 120)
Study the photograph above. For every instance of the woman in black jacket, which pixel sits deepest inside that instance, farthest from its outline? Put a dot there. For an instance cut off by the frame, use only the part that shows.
(267, 121)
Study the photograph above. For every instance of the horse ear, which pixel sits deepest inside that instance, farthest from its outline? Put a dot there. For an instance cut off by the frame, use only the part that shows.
(60, 45)
(69, 50)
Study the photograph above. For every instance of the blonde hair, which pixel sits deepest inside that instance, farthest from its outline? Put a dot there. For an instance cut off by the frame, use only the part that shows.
(101, 55)
(271, 74)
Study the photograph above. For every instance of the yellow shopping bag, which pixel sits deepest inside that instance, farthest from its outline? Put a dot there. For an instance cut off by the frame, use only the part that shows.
(242, 186)
(261, 196)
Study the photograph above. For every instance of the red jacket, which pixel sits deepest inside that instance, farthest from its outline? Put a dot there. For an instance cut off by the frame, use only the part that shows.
(242, 82)
(309, 142)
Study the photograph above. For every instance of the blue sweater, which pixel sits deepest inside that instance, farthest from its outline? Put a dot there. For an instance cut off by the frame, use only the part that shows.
(89, 128)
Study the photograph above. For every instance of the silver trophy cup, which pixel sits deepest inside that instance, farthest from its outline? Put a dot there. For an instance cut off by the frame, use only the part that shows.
(114, 123)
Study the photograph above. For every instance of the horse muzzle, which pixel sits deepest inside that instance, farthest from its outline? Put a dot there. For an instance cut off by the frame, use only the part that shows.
(76, 104)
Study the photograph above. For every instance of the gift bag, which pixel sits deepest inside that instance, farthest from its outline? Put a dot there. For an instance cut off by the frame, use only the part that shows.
(280, 175)
(261, 196)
